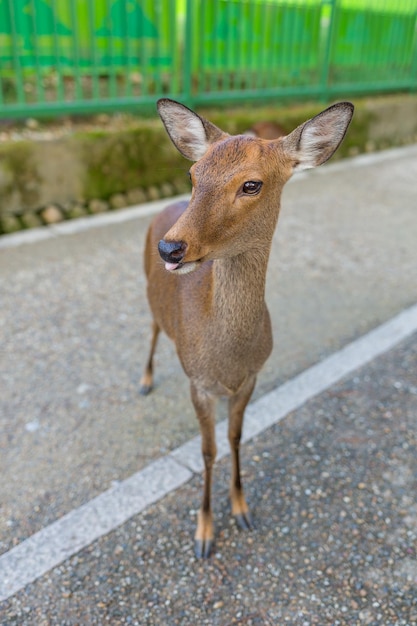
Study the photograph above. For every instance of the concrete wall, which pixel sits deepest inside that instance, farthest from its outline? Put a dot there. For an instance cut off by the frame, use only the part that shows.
(45, 178)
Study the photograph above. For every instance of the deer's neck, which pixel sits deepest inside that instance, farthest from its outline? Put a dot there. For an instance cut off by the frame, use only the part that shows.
(238, 297)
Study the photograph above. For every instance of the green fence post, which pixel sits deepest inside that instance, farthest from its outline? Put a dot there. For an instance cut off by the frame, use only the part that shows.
(413, 77)
(16, 53)
(188, 53)
(331, 7)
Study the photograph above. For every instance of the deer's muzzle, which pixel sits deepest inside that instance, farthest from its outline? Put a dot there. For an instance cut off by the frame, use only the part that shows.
(172, 251)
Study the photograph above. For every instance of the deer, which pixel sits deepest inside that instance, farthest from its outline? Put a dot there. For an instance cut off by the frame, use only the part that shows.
(266, 130)
(206, 288)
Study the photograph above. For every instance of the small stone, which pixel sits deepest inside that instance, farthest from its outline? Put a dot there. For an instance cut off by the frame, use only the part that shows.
(33, 426)
(10, 224)
(136, 196)
(31, 220)
(98, 206)
(365, 616)
(77, 210)
(32, 124)
(83, 388)
(167, 190)
(52, 215)
(361, 486)
(218, 605)
(354, 151)
(182, 185)
(153, 193)
(118, 201)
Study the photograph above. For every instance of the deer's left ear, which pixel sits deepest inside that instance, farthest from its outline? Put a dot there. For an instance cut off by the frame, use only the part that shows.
(190, 133)
(315, 141)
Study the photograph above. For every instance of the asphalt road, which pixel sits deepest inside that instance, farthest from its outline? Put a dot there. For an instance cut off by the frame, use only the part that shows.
(74, 325)
(332, 489)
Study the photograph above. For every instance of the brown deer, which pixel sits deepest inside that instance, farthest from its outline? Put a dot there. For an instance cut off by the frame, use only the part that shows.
(210, 296)
(266, 130)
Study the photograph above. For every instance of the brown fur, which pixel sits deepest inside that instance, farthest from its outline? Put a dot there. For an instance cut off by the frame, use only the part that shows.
(267, 130)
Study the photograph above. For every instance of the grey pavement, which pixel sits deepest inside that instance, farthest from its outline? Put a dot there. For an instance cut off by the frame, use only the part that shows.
(332, 490)
(74, 324)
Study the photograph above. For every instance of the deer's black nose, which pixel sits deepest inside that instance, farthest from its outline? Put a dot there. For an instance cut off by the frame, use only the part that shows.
(172, 251)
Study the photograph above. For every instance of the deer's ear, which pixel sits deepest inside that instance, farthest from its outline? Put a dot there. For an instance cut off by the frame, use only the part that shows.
(315, 141)
(190, 133)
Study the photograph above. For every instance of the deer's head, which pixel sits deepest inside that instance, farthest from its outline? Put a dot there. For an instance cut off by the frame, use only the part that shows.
(237, 181)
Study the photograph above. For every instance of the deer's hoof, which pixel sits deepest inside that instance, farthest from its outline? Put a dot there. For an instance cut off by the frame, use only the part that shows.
(144, 390)
(203, 548)
(244, 521)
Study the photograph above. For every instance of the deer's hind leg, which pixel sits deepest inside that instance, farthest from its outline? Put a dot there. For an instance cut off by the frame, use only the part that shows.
(237, 405)
(146, 382)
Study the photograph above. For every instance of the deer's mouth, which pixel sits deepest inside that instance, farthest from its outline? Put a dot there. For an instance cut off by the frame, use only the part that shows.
(182, 268)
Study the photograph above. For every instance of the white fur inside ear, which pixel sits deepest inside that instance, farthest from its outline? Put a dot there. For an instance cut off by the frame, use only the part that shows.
(188, 133)
(321, 136)
(198, 140)
(311, 146)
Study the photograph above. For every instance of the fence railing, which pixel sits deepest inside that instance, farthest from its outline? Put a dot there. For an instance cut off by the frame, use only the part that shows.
(64, 56)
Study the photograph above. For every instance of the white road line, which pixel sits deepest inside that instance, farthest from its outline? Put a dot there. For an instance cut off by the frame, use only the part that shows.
(65, 537)
(53, 544)
(81, 224)
(275, 405)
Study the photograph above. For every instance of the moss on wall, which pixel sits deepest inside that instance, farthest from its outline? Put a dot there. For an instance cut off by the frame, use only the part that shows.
(19, 177)
(123, 160)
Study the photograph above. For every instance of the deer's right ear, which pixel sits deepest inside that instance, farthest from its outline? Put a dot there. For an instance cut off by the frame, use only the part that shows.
(190, 133)
(315, 141)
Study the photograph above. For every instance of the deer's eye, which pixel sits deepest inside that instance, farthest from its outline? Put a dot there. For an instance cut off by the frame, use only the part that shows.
(252, 187)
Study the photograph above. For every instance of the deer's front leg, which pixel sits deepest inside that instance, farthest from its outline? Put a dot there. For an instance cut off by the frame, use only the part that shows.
(205, 408)
(237, 405)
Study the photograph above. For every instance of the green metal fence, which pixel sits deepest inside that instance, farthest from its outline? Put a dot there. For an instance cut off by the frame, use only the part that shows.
(61, 56)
